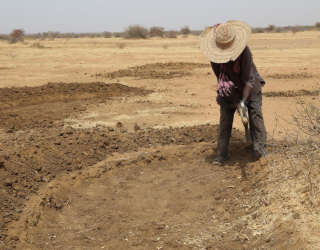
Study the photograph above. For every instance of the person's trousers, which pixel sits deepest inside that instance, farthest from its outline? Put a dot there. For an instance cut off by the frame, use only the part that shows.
(256, 123)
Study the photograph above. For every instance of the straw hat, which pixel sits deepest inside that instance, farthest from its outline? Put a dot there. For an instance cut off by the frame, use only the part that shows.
(225, 42)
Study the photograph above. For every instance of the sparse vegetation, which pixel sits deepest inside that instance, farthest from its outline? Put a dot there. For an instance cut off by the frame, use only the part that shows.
(121, 45)
(185, 31)
(277, 29)
(307, 119)
(50, 35)
(165, 46)
(37, 45)
(172, 34)
(156, 32)
(136, 31)
(271, 28)
(107, 34)
(4, 37)
(16, 35)
(258, 30)
(118, 34)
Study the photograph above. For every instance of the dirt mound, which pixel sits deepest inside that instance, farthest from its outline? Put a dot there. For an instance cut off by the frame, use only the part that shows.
(30, 107)
(169, 197)
(32, 158)
(4, 68)
(155, 70)
(299, 75)
(292, 93)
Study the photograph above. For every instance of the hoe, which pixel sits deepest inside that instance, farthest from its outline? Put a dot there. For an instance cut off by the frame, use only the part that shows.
(243, 112)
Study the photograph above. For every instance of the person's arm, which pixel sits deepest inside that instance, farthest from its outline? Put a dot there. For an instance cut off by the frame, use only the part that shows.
(215, 68)
(246, 92)
(246, 73)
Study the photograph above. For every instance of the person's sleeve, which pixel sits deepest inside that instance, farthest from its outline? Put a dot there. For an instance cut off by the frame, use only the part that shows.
(215, 69)
(246, 68)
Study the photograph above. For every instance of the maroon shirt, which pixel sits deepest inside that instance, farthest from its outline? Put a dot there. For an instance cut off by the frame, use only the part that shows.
(241, 72)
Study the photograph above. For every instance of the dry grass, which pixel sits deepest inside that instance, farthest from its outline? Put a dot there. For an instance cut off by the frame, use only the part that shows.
(37, 45)
(307, 119)
(121, 45)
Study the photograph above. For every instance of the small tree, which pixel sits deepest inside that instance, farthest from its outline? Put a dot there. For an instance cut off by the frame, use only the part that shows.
(271, 28)
(156, 31)
(136, 31)
(317, 25)
(295, 29)
(16, 35)
(107, 34)
(185, 31)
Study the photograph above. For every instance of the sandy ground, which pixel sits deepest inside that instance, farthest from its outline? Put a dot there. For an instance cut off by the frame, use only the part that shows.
(115, 152)
(286, 61)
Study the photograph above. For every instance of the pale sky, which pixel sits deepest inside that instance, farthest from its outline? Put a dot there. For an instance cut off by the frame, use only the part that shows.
(115, 15)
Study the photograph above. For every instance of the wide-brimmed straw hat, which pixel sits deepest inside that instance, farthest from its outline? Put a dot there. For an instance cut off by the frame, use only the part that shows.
(225, 42)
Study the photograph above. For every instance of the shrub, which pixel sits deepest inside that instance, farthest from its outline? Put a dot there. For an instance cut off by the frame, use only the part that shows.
(107, 34)
(51, 35)
(136, 31)
(4, 37)
(172, 34)
(307, 119)
(271, 28)
(118, 34)
(277, 30)
(16, 35)
(295, 29)
(185, 30)
(317, 25)
(257, 30)
(156, 31)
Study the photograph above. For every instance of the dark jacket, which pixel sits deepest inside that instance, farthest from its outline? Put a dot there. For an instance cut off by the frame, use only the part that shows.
(241, 72)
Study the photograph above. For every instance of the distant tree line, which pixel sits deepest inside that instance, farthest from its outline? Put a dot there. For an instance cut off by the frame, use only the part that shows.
(134, 31)
(140, 32)
(278, 29)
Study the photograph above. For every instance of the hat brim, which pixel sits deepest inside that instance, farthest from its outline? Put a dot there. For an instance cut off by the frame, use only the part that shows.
(218, 55)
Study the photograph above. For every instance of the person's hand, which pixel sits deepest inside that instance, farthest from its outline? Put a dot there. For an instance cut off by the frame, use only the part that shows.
(242, 109)
(242, 104)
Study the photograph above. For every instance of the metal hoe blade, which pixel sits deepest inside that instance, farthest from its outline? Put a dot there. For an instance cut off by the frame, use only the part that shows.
(242, 111)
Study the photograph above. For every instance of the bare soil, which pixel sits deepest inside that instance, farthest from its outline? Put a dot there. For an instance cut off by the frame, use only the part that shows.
(95, 165)
(300, 75)
(31, 107)
(107, 188)
(155, 70)
(292, 93)
(46, 148)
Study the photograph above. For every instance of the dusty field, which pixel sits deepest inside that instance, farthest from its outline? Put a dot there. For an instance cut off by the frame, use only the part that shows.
(114, 153)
